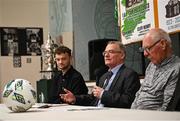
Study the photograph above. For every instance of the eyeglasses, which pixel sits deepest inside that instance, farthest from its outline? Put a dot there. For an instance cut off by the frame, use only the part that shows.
(148, 49)
(110, 52)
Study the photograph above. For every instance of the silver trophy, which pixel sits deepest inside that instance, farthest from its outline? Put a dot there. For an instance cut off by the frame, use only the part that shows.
(48, 62)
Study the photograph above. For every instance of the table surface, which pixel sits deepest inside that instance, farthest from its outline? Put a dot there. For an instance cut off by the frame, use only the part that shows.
(70, 112)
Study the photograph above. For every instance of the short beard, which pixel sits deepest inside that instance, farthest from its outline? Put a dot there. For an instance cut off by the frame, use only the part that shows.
(64, 69)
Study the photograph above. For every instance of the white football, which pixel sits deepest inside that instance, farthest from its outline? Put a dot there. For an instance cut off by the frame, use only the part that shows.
(19, 95)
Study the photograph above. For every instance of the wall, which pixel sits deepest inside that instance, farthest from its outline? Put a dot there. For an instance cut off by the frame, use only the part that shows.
(0, 49)
(0, 12)
(22, 13)
(60, 20)
(92, 19)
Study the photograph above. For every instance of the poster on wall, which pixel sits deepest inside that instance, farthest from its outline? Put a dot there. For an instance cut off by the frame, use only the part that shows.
(169, 15)
(17, 61)
(17, 41)
(136, 18)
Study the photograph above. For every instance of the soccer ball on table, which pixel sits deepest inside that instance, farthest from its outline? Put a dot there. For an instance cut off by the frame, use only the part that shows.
(19, 95)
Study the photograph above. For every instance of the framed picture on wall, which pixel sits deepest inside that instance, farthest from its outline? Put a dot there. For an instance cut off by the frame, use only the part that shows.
(34, 41)
(21, 41)
(9, 41)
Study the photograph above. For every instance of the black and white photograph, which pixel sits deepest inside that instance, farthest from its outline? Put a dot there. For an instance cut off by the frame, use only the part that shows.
(20, 41)
(9, 41)
(34, 41)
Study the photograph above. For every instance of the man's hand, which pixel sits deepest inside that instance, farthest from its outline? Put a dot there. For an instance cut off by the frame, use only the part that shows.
(97, 91)
(68, 97)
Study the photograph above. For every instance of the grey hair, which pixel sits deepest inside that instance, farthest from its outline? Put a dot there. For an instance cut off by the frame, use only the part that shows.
(121, 46)
(158, 33)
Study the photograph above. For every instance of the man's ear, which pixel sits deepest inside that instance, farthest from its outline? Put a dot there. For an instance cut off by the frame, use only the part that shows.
(163, 44)
(122, 56)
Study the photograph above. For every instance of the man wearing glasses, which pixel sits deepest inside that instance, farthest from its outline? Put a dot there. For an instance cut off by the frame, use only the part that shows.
(116, 88)
(161, 74)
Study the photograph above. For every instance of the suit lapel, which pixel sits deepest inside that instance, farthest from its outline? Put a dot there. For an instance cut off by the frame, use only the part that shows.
(102, 80)
(117, 77)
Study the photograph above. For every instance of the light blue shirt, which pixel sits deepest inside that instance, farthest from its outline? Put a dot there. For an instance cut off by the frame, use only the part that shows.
(114, 71)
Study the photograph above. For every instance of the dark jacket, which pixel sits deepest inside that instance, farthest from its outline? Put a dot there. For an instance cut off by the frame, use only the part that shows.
(174, 104)
(121, 93)
(72, 80)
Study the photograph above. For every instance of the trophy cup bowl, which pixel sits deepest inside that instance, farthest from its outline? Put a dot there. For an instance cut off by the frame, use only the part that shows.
(48, 61)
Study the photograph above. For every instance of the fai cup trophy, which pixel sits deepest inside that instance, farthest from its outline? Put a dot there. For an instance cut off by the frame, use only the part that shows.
(48, 62)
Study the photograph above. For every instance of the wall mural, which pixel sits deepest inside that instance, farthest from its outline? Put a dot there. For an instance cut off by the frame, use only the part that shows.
(104, 20)
(60, 18)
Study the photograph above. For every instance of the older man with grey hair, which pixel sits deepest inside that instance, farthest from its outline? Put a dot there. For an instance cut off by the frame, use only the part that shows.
(161, 74)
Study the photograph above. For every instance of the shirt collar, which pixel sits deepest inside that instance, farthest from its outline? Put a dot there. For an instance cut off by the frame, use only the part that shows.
(116, 68)
(166, 61)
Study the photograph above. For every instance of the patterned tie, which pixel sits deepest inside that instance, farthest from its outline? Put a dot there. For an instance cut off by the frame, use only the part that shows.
(109, 74)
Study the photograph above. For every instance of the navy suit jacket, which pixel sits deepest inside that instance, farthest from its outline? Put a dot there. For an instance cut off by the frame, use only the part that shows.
(121, 93)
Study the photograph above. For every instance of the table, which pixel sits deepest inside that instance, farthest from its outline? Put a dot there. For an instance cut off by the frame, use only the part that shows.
(77, 113)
